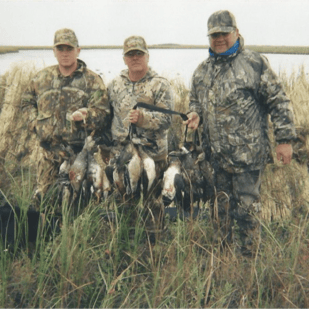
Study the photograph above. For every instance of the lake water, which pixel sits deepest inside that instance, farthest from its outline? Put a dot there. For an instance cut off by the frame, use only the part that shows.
(171, 63)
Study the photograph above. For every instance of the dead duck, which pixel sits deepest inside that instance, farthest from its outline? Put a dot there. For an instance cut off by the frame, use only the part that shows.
(103, 161)
(149, 171)
(183, 181)
(94, 176)
(78, 169)
(131, 170)
(126, 170)
(169, 189)
(176, 185)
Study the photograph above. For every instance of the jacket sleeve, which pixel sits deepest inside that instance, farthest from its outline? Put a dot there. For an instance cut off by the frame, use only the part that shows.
(98, 106)
(163, 97)
(277, 104)
(194, 104)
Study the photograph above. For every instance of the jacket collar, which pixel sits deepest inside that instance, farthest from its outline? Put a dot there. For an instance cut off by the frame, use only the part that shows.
(222, 58)
(81, 67)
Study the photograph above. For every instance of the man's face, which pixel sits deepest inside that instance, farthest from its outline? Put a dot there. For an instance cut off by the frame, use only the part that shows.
(222, 41)
(66, 55)
(137, 61)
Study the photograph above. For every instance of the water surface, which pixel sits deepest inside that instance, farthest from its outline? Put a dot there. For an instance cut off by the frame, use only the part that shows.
(171, 63)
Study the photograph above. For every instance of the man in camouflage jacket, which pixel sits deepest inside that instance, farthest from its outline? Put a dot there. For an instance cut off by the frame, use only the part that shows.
(233, 92)
(65, 102)
(139, 83)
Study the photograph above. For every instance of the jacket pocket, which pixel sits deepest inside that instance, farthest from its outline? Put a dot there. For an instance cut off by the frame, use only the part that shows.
(45, 127)
(245, 148)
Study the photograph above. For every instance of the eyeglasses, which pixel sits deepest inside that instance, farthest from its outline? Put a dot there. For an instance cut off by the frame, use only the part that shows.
(64, 48)
(218, 34)
(133, 53)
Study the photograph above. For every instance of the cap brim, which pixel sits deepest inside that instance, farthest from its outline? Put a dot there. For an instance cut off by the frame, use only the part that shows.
(64, 43)
(135, 48)
(221, 29)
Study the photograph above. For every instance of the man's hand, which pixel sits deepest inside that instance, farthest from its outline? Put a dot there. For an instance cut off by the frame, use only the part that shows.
(80, 114)
(193, 120)
(284, 153)
(134, 115)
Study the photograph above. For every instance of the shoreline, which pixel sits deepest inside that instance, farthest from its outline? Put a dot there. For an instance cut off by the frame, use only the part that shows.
(267, 49)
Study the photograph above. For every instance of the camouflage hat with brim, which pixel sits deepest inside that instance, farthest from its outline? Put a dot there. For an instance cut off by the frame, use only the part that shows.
(65, 37)
(221, 21)
(135, 43)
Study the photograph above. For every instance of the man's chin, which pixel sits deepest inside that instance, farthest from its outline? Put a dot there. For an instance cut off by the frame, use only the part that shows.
(66, 63)
(136, 70)
(220, 50)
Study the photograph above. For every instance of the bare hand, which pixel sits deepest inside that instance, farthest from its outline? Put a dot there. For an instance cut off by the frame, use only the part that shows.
(134, 115)
(80, 114)
(193, 120)
(284, 153)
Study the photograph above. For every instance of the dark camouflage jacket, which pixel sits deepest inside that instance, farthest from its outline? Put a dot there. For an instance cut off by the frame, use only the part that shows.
(152, 132)
(51, 98)
(234, 96)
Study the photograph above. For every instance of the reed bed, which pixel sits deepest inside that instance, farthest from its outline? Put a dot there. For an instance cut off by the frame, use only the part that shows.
(17, 144)
(8, 49)
(96, 263)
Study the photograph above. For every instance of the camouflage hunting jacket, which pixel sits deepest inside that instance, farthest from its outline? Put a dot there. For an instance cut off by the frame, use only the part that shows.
(151, 133)
(51, 97)
(233, 96)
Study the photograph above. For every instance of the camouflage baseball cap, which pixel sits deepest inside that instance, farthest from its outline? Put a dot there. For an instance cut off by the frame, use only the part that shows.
(221, 21)
(135, 43)
(65, 37)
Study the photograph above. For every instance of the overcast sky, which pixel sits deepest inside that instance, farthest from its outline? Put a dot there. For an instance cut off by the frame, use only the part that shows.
(109, 22)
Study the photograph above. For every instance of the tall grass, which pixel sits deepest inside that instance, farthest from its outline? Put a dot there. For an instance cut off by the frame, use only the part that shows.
(94, 262)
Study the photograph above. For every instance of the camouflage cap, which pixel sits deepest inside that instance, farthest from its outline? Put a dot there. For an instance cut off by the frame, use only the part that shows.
(221, 21)
(65, 37)
(135, 43)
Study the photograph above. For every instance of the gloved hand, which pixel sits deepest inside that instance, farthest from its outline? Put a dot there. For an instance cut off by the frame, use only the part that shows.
(284, 153)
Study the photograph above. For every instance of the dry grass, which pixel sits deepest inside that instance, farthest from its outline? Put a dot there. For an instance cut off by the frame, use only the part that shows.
(16, 143)
(18, 148)
(181, 99)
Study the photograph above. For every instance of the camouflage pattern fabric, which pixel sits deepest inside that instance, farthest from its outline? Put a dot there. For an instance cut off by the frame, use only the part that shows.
(47, 173)
(221, 21)
(152, 132)
(233, 96)
(50, 99)
(135, 43)
(65, 37)
(238, 198)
